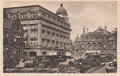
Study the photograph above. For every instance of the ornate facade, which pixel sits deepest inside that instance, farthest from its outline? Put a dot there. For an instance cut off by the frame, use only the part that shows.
(44, 31)
(99, 41)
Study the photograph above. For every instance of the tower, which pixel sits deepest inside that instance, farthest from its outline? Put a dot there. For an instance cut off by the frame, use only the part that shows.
(84, 30)
(87, 30)
(105, 27)
(77, 38)
(62, 12)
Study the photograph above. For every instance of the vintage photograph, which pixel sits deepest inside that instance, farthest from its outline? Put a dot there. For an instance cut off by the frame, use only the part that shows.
(60, 37)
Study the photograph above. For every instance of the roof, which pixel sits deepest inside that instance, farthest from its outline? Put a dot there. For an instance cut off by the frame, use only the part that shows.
(61, 10)
(22, 9)
(99, 34)
(7, 23)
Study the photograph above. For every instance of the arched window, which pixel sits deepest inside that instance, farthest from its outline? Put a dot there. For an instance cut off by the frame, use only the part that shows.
(44, 53)
(33, 54)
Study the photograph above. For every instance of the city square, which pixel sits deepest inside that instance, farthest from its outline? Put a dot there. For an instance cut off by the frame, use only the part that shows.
(37, 40)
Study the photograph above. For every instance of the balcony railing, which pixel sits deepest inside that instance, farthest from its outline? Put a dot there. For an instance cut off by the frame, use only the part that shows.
(25, 30)
(33, 29)
(33, 39)
(25, 39)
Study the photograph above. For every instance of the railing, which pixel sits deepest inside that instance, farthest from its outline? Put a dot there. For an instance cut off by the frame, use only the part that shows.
(25, 30)
(25, 39)
(33, 29)
(33, 39)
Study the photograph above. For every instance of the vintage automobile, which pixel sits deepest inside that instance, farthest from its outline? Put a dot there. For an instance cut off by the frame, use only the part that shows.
(29, 64)
(110, 67)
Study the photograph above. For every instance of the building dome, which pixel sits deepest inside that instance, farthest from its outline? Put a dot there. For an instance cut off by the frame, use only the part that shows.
(61, 10)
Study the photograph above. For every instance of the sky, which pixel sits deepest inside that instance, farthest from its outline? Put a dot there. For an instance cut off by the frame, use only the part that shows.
(81, 14)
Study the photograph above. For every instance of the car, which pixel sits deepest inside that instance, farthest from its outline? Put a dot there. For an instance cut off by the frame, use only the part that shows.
(29, 64)
(110, 68)
(102, 63)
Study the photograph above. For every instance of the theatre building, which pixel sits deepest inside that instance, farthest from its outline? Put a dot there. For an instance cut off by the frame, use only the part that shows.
(100, 41)
(45, 32)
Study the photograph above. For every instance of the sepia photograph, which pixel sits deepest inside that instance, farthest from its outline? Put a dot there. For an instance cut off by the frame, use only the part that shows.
(60, 37)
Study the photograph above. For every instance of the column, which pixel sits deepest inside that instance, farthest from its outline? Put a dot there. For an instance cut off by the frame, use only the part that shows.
(39, 33)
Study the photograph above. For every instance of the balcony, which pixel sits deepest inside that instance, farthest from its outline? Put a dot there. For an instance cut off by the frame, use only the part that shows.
(33, 39)
(25, 30)
(55, 22)
(25, 39)
(34, 30)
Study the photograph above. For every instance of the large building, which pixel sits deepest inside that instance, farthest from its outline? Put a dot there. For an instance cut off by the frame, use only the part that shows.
(44, 31)
(98, 41)
(12, 42)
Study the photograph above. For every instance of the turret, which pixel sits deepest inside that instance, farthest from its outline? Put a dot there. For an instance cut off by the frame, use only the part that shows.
(62, 12)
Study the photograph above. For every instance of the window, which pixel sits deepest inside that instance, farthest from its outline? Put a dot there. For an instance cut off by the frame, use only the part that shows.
(48, 32)
(64, 36)
(53, 41)
(6, 38)
(13, 17)
(15, 40)
(57, 43)
(48, 41)
(49, 16)
(25, 37)
(60, 44)
(25, 16)
(6, 48)
(34, 44)
(6, 53)
(43, 40)
(33, 37)
(67, 37)
(114, 43)
(60, 36)
(24, 53)
(64, 44)
(34, 15)
(94, 44)
(43, 14)
(20, 17)
(26, 44)
(88, 44)
(53, 34)
(43, 31)
(105, 45)
(57, 35)
(110, 42)
(44, 53)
